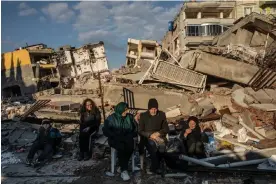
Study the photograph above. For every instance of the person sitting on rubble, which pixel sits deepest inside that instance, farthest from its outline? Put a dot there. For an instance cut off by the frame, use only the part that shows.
(193, 138)
(47, 140)
(90, 120)
(120, 128)
(153, 128)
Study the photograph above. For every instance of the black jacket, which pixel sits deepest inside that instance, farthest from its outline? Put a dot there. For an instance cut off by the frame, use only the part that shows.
(149, 124)
(92, 120)
(195, 136)
(50, 136)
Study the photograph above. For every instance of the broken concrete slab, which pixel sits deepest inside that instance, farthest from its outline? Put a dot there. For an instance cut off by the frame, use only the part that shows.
(64, 105)
(246, 116)
(173, 113)
(260, 95)
(265, 107)
(207, 106)
(268, 131)
(238, 97)
(271, 93)
(249, 100)
(229, 120)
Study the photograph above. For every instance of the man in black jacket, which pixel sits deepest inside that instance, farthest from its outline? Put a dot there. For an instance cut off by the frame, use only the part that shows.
(153, 128)
(47, 140)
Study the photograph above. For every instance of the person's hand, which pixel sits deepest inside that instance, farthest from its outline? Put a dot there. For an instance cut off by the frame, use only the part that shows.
(86, 129)
(155, 135)
(137, 117)
(187, 132)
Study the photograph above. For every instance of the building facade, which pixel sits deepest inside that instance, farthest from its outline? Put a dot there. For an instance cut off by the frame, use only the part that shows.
(202, 21)
(27, 69)
(140, 49)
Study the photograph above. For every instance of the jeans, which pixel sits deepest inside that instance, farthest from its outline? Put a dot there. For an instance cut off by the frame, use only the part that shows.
(153, 151)
(47, 150)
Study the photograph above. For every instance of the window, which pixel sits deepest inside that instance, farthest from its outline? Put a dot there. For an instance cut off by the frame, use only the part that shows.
(213, 30)
(194, 30)
(248, 10)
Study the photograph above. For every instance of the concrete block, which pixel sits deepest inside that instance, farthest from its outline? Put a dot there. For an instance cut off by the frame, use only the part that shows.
(229, 120)
(246, 116)
(173, 113)
(260, 95)
(268, 132)
(272, 94)
(249, 100)
(196, 110)
(207, 106)
(265, 107)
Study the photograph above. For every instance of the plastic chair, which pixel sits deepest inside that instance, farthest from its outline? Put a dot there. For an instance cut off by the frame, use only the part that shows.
(113, 162)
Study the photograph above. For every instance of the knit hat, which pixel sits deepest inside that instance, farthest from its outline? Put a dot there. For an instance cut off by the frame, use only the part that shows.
(46, 121)
(153, 103)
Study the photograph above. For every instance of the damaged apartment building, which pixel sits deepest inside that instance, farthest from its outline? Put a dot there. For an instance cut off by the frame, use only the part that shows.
(138, 50)
(28, 69)
(202, 21)
(35, 68)
(80, 63)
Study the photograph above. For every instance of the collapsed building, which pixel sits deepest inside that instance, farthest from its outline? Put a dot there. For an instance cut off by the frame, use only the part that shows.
(36, 67)
(141, 50)
(80, 63)
(28, 69)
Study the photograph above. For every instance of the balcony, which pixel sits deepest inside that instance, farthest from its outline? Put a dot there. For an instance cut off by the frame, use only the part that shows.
(223, 21)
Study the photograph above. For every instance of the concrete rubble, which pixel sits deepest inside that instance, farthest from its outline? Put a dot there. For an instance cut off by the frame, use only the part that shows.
(229, 85)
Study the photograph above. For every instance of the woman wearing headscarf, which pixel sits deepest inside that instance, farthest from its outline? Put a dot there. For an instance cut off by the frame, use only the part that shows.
(120, 128)
(90, 120)
(193, 138)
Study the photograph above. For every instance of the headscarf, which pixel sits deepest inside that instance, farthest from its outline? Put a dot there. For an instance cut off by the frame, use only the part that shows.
(123, 123)
(120, 108)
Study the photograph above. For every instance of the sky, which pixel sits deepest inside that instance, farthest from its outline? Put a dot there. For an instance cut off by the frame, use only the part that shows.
(77, 23)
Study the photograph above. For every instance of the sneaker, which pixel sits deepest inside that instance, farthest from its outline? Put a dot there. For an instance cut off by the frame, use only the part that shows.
(29, 161)
(125, 176)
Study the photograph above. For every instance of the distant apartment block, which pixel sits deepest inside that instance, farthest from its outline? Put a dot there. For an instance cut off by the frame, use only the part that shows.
(202, 21)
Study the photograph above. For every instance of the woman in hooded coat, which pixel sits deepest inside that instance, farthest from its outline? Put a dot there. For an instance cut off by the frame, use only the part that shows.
(90, 120)
(193, 138)
(120, 128)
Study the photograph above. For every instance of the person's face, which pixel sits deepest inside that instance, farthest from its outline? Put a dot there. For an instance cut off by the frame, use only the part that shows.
(46, 126)
(88, 105)
(153, 111)
(125, 112)
(192, 124)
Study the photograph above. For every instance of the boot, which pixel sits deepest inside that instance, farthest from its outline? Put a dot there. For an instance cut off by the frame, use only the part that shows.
(81, 156)
(86, 156)
(29, 161)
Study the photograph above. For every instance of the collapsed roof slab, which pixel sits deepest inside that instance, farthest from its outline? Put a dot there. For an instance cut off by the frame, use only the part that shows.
(228, 69)
(259, 22)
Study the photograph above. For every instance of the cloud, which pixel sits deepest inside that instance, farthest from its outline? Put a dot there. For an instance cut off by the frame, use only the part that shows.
(120, 20)
(26, 10)
(60, 12)
(42, 19)
(23, 6)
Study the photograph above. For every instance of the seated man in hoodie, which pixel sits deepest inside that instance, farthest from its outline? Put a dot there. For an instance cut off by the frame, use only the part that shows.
(153, 128)
(47, 140)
